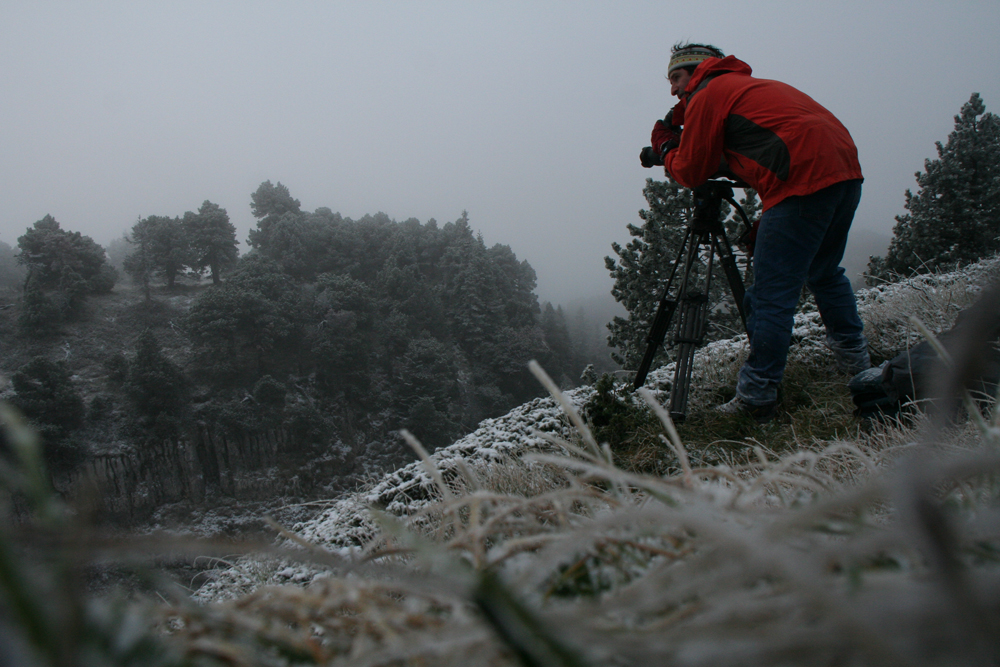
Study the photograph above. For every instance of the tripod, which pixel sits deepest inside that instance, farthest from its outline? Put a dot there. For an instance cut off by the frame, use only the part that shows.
(704, 234)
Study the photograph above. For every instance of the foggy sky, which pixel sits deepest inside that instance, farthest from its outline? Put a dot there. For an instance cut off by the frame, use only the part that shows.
(529, 115)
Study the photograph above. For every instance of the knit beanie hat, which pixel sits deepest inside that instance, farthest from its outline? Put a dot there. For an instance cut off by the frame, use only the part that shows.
(689, 55)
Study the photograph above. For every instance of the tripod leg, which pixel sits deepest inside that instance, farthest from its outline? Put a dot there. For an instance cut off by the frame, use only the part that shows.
(691, 326)
(664, 313)
(661, 323)
(690, 334)
(728, 261)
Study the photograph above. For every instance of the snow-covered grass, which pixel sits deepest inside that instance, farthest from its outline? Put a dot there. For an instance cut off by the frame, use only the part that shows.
(935, 299)
(818, 555)
(529, 542)
(524, 538)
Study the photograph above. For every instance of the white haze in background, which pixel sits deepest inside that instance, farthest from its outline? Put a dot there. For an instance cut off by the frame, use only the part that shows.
(528, 115)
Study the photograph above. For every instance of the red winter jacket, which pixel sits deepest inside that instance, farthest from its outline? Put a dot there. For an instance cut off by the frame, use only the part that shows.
(776, 138)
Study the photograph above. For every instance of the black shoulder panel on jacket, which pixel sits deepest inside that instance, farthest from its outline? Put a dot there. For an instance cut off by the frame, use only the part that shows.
(758, 143)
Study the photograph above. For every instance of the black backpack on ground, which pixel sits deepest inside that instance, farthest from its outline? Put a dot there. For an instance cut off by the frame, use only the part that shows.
(883, 390)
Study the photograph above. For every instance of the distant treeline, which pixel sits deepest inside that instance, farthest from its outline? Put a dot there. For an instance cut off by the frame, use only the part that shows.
(338, 331)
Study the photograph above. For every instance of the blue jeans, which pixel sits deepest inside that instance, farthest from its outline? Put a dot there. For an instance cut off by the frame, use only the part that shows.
(800, 242)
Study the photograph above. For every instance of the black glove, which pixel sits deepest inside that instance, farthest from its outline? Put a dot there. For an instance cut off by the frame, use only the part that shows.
(650, 158)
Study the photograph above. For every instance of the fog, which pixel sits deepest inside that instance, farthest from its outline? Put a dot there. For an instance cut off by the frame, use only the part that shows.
(528, 115)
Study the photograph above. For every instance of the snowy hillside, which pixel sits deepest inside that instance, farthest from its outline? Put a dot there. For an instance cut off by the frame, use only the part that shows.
(525, 537)
(347, 524)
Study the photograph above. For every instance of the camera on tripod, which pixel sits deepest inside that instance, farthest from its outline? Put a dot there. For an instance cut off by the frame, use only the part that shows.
(705, 236)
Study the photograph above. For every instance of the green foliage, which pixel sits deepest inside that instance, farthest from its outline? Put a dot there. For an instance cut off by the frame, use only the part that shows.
(160, 247)
(269, 402)
(100, 408)
(44, 392)
(64, 266)
(365, 325)
(300, 242)
(643, 266)
(156, 388)
(105, 279)
(268, 204)
(116, 367)
(38, 313)
(211, 238)
(614, 418)
(343, 342)
(426, 383)
(952, 219)
(242, 328)
(642, 270)
(269, 392)
(139, 264)
(384, 318)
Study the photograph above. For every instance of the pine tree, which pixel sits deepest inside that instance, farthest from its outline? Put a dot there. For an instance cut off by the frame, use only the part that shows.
(644, 266)
(139, 264)
(160, 246)
(212, 238)
(156, 387)
(268, 204)
(954, 218)
(65, 265)
(44, 392)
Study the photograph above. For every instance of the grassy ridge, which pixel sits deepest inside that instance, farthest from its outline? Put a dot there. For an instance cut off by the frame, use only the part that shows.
(808, 541)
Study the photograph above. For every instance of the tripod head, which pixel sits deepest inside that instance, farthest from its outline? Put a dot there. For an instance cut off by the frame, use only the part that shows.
(715, 189)
(708, 198)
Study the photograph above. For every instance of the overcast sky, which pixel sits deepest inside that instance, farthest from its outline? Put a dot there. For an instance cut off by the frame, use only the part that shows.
(530, 115)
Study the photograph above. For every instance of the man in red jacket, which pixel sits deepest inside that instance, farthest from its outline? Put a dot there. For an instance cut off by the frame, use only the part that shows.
(804, 165)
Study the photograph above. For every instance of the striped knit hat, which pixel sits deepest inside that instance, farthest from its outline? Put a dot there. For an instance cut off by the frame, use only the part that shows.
(689, 55)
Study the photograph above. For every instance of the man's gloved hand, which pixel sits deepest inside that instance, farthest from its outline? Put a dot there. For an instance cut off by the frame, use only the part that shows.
(664, 139)
(650, 158)
(666, 136)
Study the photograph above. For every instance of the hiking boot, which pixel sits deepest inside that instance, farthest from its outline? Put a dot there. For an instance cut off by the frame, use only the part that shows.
(850, 360)
(759, 413)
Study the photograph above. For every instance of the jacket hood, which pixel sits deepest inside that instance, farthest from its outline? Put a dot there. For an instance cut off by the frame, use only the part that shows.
(714, 67)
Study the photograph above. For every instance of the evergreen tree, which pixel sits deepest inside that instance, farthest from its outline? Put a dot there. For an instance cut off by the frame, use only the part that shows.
(139, 264)
(269, 204)
(160, 247)
(38, 312)
(246, 327)
(64, 266)
(426, 384)
(212, 238)
(954, 218)
(643, 269)
(643, 266)
(156, 387)
(44, 392)
(344, 337)
(12, 274)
